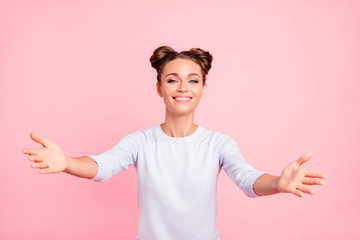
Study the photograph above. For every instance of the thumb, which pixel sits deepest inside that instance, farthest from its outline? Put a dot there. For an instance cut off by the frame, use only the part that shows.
(39, 139)
(304, 158)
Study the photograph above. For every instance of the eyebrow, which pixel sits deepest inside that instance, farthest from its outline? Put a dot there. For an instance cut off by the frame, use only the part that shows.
(190, 74)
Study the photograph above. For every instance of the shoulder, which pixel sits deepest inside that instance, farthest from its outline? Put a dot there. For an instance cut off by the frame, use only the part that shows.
(143, 134)
(219, 137)
(225, 145)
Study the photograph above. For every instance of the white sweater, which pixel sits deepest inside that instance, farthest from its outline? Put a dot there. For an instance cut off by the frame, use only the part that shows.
(177, 179)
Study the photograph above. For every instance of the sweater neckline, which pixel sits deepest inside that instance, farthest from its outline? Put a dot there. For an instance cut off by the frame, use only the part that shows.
(179, 139)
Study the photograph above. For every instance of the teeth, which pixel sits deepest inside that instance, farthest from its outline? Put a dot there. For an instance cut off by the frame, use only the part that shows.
(182, 99)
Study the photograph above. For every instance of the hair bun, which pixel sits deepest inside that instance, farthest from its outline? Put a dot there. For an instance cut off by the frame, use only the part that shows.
(204, 56)
(160, 55)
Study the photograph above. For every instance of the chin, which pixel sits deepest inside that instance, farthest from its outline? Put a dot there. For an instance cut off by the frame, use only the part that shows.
(182, 112)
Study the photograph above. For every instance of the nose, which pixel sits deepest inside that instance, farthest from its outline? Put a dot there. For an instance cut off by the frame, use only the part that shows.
(182, 87)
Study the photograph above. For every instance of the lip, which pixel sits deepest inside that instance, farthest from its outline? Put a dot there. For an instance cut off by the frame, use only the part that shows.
(181, 98)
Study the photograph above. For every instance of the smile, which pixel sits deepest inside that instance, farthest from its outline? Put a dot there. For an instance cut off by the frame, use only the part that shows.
(182, 99)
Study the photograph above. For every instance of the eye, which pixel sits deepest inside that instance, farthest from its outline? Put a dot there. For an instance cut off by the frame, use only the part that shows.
(194, 81)
(171, 81)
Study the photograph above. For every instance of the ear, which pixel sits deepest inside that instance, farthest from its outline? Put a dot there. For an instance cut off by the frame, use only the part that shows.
(158, 89)
(204, 89)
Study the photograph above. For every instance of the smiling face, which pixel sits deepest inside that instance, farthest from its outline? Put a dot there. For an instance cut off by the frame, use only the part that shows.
(181, 86)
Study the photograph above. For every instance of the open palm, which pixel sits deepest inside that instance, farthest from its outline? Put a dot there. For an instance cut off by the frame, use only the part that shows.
(49, 159)
(294, 179)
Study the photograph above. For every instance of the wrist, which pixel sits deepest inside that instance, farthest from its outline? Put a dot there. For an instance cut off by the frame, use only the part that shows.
(68, 161)
(276, 186)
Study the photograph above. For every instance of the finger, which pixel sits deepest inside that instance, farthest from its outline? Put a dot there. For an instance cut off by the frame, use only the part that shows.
(39, 165)
(37, 138)
(304, 189)
(31, 151)
(298, 193)
(46, 171)
(313, 174)
(313, 181)
(35, 158)
(304, 158)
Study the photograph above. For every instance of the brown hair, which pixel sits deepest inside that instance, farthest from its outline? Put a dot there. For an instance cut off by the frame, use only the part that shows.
(164, 54)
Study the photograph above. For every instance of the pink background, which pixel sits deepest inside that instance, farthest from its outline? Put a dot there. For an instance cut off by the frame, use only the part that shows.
(285, 80)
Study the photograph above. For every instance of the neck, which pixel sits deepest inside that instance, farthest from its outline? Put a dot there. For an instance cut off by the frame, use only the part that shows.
(179, 125)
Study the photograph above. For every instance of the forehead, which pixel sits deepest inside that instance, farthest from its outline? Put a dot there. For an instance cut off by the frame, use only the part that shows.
(182, 67)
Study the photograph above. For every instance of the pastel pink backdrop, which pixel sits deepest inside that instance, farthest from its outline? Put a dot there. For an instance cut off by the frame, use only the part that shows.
(285, 80)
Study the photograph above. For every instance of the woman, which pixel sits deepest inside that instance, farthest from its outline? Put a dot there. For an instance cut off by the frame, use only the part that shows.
(178, 161)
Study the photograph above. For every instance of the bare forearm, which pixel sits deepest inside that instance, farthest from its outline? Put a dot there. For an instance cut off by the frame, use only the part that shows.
(293, 179)
(266, 185)
(84, 167)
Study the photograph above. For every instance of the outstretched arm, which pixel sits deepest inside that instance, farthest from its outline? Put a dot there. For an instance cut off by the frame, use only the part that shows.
(293, 179)
(51, 159)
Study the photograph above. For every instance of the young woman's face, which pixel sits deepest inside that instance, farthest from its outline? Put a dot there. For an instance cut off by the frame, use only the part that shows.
(181, 86)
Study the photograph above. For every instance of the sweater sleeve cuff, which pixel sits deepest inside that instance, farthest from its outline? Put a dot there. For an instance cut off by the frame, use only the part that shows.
(249, 191)
(100, 174)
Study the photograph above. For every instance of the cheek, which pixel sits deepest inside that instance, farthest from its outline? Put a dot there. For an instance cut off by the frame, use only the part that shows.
(168, 90)
(199, 91)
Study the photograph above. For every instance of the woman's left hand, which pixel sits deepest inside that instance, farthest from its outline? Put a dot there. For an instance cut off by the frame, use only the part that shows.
(296, 180)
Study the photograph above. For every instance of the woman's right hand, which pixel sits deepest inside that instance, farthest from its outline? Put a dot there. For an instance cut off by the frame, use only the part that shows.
(49, 159)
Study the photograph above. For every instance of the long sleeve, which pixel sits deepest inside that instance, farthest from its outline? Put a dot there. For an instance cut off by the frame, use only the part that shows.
(119, 158)
(242, 173)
